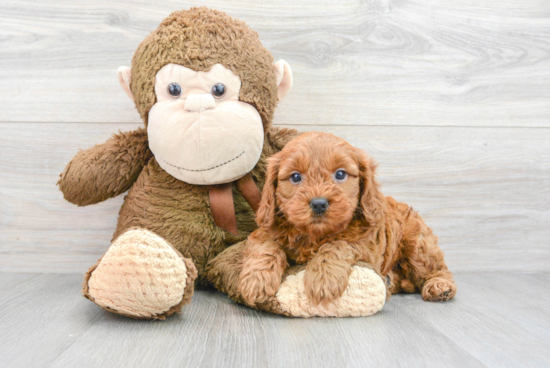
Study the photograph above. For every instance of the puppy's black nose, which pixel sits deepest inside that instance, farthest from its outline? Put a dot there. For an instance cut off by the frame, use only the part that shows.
(318, 205)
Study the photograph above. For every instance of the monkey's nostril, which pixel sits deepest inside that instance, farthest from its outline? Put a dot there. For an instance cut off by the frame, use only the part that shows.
(318, 205)
(199, 102)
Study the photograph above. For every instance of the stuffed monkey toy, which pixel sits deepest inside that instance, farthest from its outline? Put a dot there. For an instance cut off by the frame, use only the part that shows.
(206, 90)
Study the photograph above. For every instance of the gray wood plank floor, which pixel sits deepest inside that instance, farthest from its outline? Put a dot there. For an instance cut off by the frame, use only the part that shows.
(497, 319)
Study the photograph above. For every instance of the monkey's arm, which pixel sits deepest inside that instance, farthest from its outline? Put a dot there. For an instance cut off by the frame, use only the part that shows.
(105, 170)
(279, 137)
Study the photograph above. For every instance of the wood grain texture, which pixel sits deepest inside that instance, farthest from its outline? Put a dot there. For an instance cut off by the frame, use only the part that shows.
(484, 191)
(493, 321)
(453, 100)
(371, 62)
(486, 301)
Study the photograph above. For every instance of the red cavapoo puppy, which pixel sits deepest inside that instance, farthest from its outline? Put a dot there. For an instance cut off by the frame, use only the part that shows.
(321, 205)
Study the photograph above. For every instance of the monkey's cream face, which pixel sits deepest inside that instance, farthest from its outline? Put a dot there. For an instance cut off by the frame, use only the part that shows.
(199, 131)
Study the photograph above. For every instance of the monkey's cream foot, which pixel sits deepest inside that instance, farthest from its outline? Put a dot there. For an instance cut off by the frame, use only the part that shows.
(141, 276)
(364, 296)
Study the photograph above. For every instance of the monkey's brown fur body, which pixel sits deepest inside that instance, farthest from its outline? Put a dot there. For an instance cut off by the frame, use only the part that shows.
(177, 211)
(156, 202)
(360, 225)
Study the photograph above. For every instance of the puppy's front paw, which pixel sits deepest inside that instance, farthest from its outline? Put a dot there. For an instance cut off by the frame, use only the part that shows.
(327, 281)
(258, 286)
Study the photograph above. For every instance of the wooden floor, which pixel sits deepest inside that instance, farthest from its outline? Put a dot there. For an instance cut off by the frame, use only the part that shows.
(497, 319)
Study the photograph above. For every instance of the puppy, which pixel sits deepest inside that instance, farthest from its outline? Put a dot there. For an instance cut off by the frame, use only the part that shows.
(321, 206)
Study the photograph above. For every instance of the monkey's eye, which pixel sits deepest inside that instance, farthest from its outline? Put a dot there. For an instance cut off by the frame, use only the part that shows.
(295, 178)
(340, 175)
(218, 90)
(174, 89)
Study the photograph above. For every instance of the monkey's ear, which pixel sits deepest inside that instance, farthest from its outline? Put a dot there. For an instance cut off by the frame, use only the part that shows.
(284, 78)
(124, 76)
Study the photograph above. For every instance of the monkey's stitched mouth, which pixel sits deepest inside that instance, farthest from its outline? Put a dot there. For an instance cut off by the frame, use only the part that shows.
(210, 168)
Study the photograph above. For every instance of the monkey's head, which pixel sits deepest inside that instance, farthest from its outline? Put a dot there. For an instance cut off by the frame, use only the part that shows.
(206, 89)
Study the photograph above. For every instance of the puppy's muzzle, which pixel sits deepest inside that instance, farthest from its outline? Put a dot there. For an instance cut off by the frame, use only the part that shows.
(318, 205)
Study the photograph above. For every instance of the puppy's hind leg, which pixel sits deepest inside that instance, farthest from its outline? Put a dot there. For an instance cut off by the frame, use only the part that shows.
(423, 262)
(398, 282)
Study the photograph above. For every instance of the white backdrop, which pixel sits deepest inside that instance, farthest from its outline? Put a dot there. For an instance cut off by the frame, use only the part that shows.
(451, 98)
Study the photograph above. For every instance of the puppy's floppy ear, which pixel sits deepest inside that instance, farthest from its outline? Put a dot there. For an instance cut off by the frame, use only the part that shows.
(265, 217)
(371, 201)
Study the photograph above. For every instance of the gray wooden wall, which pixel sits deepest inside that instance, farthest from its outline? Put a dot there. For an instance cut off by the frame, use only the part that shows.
(451, 98)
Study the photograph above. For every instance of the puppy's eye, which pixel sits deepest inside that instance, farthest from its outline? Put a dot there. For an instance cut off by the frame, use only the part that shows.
(218, 90)
(340, 175)
(174, 89)
(295, 178)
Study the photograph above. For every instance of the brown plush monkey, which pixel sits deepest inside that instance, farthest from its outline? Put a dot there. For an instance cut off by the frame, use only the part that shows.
(206, 90)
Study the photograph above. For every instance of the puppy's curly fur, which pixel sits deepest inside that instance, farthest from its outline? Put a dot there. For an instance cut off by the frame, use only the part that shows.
(359, 224)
